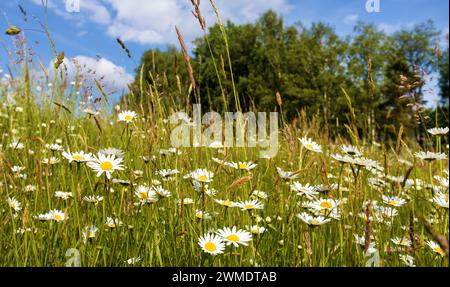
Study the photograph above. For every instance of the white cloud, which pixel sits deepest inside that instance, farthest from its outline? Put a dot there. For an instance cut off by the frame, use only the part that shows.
(97, 12)
(90, 11)
(392, 28)
(111, 76)
(351, 19)
(153, 22)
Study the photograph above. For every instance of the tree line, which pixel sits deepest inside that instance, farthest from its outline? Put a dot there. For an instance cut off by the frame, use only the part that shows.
(380, 78)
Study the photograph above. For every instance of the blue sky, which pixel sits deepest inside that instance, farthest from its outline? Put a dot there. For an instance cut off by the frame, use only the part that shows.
(89, 35)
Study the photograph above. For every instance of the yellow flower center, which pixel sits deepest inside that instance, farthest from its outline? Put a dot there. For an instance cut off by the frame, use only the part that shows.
(242, 166)
(326, 205)
(309, 146)
(233, 237)
(210, 246)
(202, 178)
(199, 215)
(57, 217)
(13, 205)
(143, 194)
(314, 222)
(128, 118)
(393, 202)
(78, 158)
(248, 206)
(227, 203)
(106, 165)
(439, 250)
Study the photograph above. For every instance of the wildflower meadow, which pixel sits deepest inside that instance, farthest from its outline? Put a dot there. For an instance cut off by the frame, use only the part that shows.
(89, 181)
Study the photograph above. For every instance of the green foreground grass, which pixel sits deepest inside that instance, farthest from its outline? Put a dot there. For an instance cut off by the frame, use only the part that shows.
(166, 233)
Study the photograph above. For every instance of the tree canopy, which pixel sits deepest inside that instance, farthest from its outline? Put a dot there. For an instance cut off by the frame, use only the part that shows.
(312, 68)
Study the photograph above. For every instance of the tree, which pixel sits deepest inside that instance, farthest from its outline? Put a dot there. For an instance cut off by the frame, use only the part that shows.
(368, 53)
(310, 67)
(444, 78)
(164, 71)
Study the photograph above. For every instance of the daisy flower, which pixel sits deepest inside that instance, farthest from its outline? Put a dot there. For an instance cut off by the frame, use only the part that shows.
(324, 205)
(250, 204)
(241, 165)
(57, 215)
(397, 179)
(401, 241)
(77, 156)
(211, 244)
(89, 232)
(201, 175)
(255, 229)
(17, 169)
(351, 150)
(444, 182)
(286, 174)
(312, 220)
(167, 172)
(226, 202)
(438, 131)
(30, 188)
(328, 213)
(51, 161)
(394, 201)
(200, 214)
(54, 147)
(145, 194)
(43, 216)
(105, 164)
(134, 260)
(441, 199)
(113, 222)
(127, 116)
(430, 156)
(93, 199)
(366, 162)
(259, 194)
(14, 204)
(63, 195)
(385, 214)
(234, 236)
(408, 260)
(161, 191)
(112, 151)
(310, 145)
(304, 190)
(342, 158)
(436, 248)
(16, 144)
